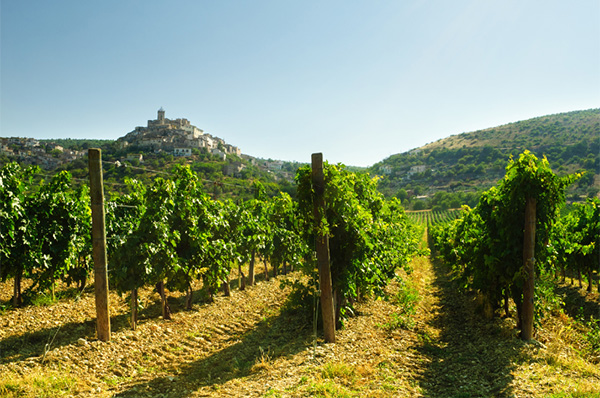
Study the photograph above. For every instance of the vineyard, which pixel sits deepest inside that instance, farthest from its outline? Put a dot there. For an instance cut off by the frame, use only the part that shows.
(171, 234)
(218, 298)
(429, 217)
(492, 257)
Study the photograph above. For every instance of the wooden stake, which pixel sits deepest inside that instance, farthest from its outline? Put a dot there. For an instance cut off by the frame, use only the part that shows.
(266, 269)
(17, 298)
(99, 244)
(166, 310)
(322, 248)
(251, 269)
(134, 308)
(226, 287)
(241, 278)
(529, 267)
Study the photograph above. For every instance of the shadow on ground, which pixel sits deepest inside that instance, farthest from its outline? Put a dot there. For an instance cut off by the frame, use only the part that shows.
(473, 356)
(35, 344)
(578, 303)
(273, 337)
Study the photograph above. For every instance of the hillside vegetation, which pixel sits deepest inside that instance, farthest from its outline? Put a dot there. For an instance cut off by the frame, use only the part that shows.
(231, 177)
(465, 164)
(441, 175)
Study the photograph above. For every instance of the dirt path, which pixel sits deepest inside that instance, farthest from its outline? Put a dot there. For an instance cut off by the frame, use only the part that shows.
(465, 354)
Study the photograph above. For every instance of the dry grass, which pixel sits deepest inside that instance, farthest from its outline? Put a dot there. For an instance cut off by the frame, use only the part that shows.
(246, 346)
(39, 383)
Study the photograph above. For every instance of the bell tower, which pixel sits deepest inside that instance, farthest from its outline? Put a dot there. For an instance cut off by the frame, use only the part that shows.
(161, 116)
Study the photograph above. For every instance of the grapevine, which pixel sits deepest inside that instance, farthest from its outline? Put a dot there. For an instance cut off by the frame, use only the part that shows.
(485, 246)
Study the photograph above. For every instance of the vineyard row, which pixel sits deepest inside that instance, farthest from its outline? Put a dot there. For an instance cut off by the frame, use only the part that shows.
(172, 233)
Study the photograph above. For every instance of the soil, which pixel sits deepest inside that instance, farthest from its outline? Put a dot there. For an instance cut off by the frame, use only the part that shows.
(249, 345)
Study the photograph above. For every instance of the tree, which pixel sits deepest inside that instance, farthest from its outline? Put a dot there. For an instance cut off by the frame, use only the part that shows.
(287, 244)
(191, 204)
(402, 194)
(59, 216)
(123, 215)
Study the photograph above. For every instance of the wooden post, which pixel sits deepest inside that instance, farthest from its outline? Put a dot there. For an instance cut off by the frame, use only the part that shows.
(99, 244)
(134, 308)
(241, 278)
(529, 268)
(17, 298)
(166, 310)
(251, 269)
(322, 248)
(266, 268)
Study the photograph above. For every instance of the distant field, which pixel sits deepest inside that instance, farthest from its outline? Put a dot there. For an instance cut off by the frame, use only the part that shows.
(429, 217)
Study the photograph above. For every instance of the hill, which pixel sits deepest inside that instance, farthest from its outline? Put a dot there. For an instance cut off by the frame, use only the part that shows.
(231, 176)
(451, 171)
(149, 151)
(224, 175)
(443, 174)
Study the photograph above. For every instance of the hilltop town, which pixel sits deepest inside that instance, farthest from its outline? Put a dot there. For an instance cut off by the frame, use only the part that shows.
(29, 151)
(155, 146)
(177, 136)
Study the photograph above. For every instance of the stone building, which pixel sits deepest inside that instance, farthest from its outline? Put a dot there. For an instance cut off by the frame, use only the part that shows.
(182, 152)
(175, 135)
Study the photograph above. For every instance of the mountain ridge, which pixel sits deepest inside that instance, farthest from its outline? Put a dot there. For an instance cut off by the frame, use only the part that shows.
(475, 161)
(464, 163)
(519, 127)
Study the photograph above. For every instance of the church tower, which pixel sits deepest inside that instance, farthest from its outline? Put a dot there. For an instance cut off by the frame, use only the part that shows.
(161, 116)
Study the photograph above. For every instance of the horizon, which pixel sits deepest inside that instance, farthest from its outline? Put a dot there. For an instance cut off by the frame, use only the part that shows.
(349, 165)
(358, 82)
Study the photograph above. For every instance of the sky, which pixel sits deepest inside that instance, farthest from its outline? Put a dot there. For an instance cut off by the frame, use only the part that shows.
(356, 80)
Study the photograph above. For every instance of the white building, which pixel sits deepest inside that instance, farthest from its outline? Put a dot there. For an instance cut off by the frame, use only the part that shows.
(219, 153)
(182, 152)
(135, 156)
(417, 169)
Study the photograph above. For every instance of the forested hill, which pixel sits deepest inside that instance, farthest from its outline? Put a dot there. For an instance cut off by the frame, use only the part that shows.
(471, 162)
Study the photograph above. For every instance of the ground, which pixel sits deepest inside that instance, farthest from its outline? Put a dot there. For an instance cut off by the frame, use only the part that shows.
(249, 345)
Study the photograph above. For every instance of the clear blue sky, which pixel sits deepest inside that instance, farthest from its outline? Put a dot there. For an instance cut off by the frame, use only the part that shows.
(356, 80)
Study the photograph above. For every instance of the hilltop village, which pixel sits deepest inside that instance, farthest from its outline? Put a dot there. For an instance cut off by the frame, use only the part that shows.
(177, 136)
(29, 151)
(159, 139)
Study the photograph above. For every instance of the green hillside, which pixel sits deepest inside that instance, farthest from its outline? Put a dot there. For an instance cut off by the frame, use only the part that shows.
(451, 171)
(232, 177)
(223, 176)
(444, 174)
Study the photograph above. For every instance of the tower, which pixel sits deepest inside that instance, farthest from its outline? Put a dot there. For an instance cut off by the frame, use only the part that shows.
(161, 115)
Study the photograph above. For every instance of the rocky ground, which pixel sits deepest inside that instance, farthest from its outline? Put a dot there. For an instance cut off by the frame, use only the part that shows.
(247, 345)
